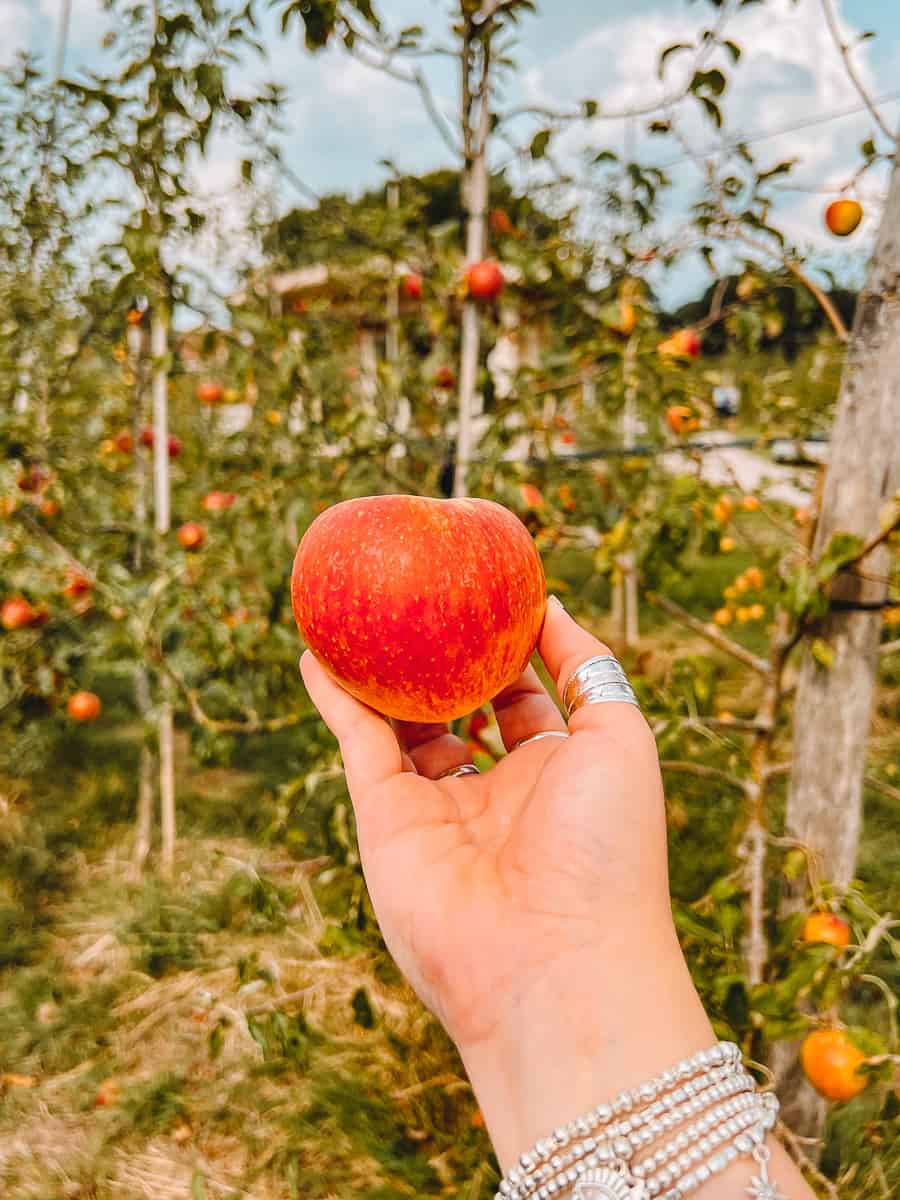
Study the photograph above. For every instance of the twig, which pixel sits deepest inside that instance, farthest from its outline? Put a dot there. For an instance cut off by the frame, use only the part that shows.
(276, 1002)
(712, 635)
(803, 1161)
(824, 300)
(252, 725)
(702, 772)
(445, 1080)
(890, 647)
(881, 785)
(844, 51)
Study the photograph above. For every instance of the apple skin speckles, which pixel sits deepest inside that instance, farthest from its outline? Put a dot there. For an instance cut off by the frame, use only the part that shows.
(423, 609)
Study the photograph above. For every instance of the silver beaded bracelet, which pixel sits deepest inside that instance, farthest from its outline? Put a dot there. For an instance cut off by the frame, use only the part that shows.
(711, 1102)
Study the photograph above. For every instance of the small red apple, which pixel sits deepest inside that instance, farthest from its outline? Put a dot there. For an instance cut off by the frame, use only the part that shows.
(423, 609)
(49, 509)
(34, 479)
(500, 223)
(17, 613)
(124, 442)
(218, 501)
(84, 707)
(826, 927)
(77, 584)
(412, 286)
(210, 392)
(174, 446)
(684, 343)
(843, 217)
(484, 280)
(134, 316)
(531, 496)
(191, 535)
(147, 437)
(444, 378)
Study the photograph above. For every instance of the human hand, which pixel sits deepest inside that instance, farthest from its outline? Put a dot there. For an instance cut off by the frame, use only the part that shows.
(528, 906)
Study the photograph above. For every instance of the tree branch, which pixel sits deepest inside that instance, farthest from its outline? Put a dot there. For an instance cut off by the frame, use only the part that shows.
(712, 635)
(844, 51)
(890, 647)
(701, 771)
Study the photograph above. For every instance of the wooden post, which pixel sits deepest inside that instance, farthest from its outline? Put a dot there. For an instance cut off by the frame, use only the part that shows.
(392, 336)
(475, 199)
(833, 707)
(159, 344)
(146, 788)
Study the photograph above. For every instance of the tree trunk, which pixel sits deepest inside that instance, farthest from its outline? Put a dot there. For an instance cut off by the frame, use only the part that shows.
(475, 199)
(159, 348)
(833, 707)
(146, 788)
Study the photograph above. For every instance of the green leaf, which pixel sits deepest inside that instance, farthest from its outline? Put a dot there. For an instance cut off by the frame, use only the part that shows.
(843, 548)
(198, 1187)
(539, 143)
(822, 653)
(712, 110)
(667, 54)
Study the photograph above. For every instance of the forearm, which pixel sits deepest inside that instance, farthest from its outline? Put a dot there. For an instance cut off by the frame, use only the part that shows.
(588, 1031)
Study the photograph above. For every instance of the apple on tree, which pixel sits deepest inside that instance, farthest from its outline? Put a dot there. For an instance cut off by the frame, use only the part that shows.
(423, 609)
(484, 280)
(412, 286)
(843, 217)
(191, 535)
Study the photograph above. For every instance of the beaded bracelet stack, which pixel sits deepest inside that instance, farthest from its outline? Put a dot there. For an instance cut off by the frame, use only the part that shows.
(709, 1106)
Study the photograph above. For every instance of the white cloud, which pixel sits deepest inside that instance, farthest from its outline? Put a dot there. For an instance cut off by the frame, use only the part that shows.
(15, 30)
(790, 72)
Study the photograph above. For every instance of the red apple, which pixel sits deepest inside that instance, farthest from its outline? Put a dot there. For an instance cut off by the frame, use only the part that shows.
(77, 584)
(84, 706)
(412, 286)
(210, 392)
(174, 446)
(684, 343)
(35, 479)
(124, 442)
(843, 217)
(484, 280)
(218, 501)
(444, 378)
(17, 613)
(147, 437)
(531, 496)
(191, 535)
(423, 609)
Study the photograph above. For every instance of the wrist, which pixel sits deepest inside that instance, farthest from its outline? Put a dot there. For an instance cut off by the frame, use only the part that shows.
(588, 1028)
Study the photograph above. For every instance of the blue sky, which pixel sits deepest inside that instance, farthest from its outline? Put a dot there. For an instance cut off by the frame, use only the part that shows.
(343, 118)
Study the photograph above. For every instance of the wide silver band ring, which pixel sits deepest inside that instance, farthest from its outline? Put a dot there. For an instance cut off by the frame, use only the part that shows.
(539, 737)
(460, 771)
(600, 680)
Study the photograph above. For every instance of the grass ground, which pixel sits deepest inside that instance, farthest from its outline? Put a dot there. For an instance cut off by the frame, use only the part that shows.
(241, 1032)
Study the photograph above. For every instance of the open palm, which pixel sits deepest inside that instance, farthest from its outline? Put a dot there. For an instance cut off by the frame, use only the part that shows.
(482, 883)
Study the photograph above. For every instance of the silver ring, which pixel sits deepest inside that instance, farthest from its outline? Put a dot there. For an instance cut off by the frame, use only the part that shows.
(600, 680)
(539, 737)
(460, 771)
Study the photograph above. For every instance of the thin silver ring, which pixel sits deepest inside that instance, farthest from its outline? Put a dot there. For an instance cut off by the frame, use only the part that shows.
(539, 737)
(600, 680)
(460, 771)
